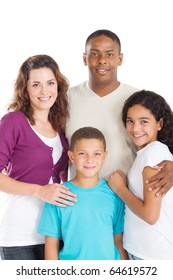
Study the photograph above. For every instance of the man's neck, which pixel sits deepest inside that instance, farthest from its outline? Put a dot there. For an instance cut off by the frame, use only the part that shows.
(103, 90)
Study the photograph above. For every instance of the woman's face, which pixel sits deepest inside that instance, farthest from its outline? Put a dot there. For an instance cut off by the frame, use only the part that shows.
(42, 88)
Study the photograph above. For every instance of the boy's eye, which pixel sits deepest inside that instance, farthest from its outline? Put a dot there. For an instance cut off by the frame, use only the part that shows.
(98, 154)
(81, 153)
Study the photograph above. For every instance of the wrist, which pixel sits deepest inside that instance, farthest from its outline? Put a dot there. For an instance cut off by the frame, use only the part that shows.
(37, 190)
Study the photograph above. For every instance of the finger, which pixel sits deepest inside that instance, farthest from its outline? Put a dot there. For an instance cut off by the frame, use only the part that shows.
(154, 178)
(68, 193)
(162, 191)
(63, 202)
(66, 197)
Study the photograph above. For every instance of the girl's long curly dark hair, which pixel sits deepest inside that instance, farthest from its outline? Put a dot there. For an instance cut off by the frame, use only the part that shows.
(159, 109)
(59, 111)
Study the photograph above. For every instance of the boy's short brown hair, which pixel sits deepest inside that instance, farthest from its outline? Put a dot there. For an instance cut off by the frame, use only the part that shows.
(87, 133)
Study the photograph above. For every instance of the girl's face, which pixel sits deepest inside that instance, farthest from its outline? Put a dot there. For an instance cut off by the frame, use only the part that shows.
(42, 88)
(142, 126)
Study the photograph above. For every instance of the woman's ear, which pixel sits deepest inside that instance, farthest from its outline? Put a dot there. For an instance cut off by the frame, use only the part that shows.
(71, 156)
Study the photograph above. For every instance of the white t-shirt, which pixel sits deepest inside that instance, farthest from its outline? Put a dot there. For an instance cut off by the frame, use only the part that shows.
(12, 231)
(89, 109)
(140, 238)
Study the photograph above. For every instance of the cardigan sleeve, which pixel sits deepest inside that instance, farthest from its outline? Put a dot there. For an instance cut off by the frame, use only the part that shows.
(8, 139)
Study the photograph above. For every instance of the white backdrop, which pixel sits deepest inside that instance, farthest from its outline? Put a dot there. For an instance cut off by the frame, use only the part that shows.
(60, 28)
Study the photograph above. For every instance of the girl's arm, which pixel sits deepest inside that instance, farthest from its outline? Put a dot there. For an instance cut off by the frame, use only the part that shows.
(55, 193)
(147, 209)
(51, 248)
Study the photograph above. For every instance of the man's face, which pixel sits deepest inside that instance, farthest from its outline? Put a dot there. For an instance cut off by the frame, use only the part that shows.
(102, 58)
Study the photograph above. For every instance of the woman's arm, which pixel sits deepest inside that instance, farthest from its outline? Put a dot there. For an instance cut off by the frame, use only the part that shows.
(51, 248)
(147, 209)
(55, 193)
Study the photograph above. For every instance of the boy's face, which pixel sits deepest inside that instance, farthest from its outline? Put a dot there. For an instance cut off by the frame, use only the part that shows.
(88, 157)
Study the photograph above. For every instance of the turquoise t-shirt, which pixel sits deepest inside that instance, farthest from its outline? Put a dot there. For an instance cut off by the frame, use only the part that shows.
(88, 227)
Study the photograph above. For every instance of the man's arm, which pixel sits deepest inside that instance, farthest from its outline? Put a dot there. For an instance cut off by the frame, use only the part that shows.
(163, 180)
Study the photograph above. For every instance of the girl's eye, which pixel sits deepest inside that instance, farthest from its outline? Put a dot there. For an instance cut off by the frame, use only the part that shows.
(144, 122)
(128, 121)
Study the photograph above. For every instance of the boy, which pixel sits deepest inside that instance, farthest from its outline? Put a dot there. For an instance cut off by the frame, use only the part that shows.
(92, 228)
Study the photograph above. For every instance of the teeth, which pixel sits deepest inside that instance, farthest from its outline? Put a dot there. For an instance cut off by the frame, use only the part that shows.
(137, 135)
(43, 98)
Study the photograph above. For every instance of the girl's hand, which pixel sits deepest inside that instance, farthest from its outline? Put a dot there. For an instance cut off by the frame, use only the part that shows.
(117, 180)
(56, 194)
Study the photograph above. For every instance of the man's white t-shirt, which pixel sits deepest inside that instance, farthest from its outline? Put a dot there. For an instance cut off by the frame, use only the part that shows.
(89, 109)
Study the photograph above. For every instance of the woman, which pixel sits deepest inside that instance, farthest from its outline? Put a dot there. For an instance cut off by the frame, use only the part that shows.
(33, 151)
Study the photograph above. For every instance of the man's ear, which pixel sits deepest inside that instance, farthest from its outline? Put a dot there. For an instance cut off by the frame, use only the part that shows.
(71, 156)
(85, 59)
(120, 59)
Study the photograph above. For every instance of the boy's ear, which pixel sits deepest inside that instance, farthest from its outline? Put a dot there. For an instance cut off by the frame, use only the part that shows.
(71, 156)
(105, 155)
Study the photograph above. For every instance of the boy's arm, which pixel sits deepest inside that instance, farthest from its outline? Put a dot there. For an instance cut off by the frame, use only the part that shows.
(51, 248)
(118, 240)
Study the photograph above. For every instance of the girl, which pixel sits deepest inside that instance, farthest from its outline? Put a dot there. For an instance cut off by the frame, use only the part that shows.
(148, 232)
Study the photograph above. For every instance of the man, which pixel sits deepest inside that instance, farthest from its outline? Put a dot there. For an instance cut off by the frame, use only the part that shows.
(98, 102)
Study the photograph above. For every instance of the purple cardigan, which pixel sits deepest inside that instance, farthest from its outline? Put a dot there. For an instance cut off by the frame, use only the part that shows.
(28, 158)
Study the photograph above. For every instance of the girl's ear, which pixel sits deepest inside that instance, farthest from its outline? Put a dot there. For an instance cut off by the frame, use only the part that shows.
(160, 124)
(71, 156)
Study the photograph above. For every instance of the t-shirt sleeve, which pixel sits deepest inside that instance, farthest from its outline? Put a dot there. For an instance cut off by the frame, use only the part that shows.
(119, 216)
(154, 154)
(49, 223)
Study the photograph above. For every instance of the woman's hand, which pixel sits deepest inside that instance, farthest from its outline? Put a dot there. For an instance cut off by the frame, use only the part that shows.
(56, 194)
(117, 180)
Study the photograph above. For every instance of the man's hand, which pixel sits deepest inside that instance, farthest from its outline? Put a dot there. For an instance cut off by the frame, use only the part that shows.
(163, 180)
